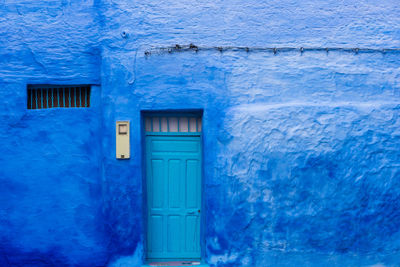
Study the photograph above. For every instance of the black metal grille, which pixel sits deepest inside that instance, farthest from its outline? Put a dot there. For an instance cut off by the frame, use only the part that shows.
(40, 97)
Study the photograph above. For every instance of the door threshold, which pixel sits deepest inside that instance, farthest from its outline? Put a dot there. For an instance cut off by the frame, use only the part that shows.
(175, 263)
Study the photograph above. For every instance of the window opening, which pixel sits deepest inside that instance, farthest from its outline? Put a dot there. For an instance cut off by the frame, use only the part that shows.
(41, 97)
(173, 124)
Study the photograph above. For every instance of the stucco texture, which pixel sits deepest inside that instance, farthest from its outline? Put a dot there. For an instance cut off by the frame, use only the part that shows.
(301, 163)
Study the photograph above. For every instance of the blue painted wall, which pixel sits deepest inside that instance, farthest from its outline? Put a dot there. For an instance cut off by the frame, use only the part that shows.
(301, 151)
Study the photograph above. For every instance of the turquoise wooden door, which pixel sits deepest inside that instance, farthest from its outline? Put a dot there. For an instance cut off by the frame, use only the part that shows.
(173, 171)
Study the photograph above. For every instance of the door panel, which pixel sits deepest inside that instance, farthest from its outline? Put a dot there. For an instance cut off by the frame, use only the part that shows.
(174, 233)
(175, 146)
(173, 197)
(192, 183)
(156, 238)
(157, 178)
(174, 184)
(191, 235)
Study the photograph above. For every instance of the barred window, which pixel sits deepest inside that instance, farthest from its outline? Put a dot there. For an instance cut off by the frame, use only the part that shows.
(50, 96)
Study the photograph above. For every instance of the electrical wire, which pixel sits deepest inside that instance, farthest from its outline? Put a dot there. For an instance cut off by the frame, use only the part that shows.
(191, 47)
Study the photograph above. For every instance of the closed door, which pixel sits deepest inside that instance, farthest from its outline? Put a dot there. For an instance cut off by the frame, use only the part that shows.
(173, 172)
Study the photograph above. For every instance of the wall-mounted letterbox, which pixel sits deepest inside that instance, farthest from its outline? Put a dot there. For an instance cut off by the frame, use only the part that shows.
(122, 140)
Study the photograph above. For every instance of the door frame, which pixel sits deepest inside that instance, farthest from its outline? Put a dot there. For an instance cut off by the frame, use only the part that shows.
(144, 134)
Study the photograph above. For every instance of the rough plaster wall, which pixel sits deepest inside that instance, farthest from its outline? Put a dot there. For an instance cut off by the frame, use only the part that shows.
(301, 151)
(53, 40)
(301, 163)
(50, 171)
(364, 23)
